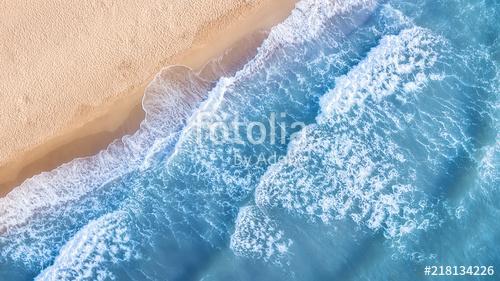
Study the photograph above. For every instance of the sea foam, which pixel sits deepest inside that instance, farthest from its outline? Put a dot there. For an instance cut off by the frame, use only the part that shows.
(345, 167)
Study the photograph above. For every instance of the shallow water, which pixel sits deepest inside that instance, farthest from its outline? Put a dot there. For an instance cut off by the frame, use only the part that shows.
(377, 156)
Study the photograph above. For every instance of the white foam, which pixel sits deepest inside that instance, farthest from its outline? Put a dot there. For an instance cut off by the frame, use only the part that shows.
(409, 53)
(257, 236)
(489, 171)
(341, 167)
(308, 19)
(102, 241)
(397, 18)
(306, 22)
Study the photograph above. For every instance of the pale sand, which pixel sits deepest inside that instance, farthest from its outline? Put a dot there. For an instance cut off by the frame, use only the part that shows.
(73, 73)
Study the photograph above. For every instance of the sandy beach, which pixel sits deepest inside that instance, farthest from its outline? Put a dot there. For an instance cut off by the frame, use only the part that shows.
(73, 73)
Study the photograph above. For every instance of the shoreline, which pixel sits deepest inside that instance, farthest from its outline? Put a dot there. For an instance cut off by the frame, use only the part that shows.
(123, 116)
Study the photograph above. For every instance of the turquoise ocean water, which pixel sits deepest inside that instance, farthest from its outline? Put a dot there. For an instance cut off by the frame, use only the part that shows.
(365, 148)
